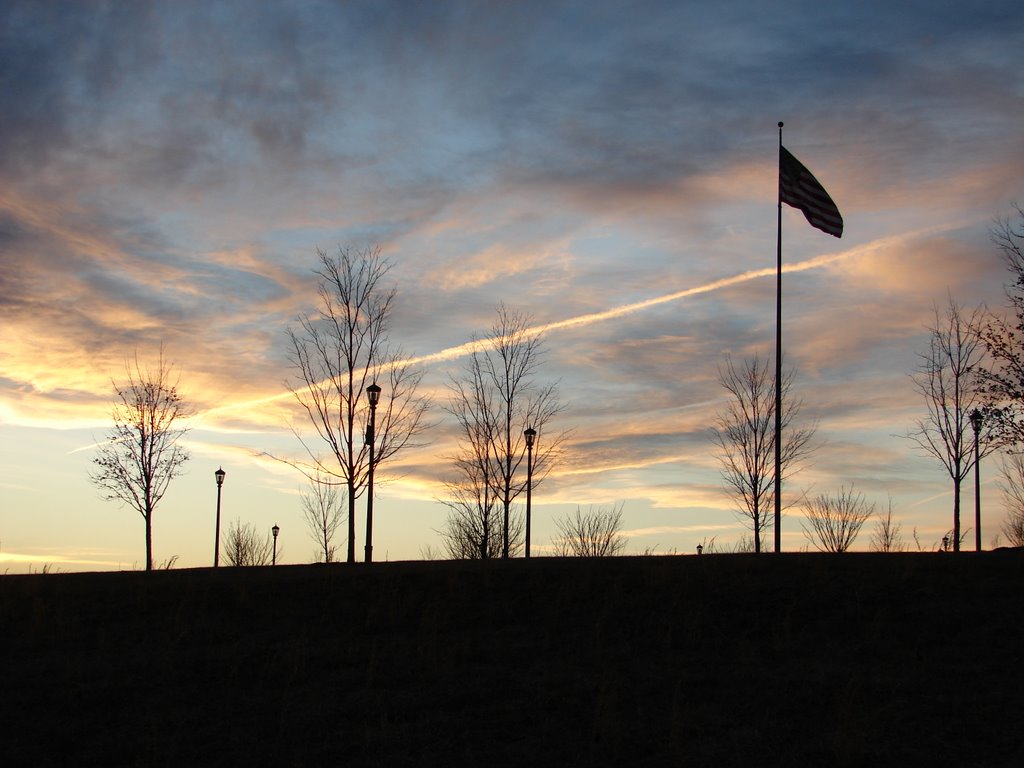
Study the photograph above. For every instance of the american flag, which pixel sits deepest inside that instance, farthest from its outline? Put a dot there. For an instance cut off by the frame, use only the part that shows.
(799, 188)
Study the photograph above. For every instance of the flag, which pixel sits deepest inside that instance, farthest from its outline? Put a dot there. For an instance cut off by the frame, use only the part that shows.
(799, 188)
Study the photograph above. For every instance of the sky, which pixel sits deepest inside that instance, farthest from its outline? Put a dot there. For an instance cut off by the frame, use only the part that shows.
(168, 171)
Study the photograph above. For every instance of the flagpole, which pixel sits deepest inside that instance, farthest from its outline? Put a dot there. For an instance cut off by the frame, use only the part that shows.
(778, 361)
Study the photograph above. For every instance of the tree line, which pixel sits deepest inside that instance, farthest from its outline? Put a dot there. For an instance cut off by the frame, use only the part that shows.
(971, 379)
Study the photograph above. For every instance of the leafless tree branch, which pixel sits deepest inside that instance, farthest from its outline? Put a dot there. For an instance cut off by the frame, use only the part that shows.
(595, 533)
(887, 536)
(243, 546)
(744, 433)
(836, 520)
(335, 354)
(947, 380)
(142, 453)
(1012, 486)
(494, 399)
(323, 513)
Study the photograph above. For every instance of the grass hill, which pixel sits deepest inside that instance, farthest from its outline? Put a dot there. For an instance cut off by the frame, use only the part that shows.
(794, 659)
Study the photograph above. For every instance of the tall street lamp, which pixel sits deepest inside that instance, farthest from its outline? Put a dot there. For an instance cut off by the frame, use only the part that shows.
(530, 434)
(976, 420)
(219, 474)
(275, 530)
(373, 395)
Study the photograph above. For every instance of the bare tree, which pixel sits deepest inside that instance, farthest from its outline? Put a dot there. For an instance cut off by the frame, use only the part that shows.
(887, 536)
(142, 453)
(596, 533)
(836, 520)
(493, 400)
(1012, 486)
(745, 435)
(323, 513)
(335, 354)
(470, 533)
(474, 528)
(947, 380)
(1002, 381)
(244, 546)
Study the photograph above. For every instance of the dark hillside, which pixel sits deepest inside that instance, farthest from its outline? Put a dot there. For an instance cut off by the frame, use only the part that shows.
(716, 660)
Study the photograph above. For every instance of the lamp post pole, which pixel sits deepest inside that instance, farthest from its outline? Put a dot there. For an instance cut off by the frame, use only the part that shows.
(373, 394)
(530, 434)
(976, 421)
(275, 530)
(219, 474)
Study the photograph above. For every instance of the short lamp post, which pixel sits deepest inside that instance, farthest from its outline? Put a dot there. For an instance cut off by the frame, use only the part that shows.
(373, 395)
(275, 530)
(700, 549)
(531, 435)
(219, 475)
(976, 421)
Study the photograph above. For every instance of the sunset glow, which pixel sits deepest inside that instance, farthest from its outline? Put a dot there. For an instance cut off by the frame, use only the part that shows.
(169, 170)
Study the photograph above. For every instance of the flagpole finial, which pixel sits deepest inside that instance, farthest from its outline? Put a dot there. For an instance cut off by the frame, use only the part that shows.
(780, 123)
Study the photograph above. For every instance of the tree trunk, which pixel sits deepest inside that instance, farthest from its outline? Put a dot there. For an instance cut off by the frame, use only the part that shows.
(504, 537)
(351, 522)
(149, 541)
(485, 537)
(956, 512)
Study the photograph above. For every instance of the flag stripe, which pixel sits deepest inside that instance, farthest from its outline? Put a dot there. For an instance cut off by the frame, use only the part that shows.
(799, 188)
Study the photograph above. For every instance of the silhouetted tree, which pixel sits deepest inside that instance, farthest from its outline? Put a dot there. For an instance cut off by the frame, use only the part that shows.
(473, 532)
(474, 527)
(141, 455)
(835, 521)
(243, 546)
(322, 511)
(1012, 486)
(947, 380)
(745, 435)
(493, 400)
(595, 533)
(335, 354)
(886, 536)
(1002, 380)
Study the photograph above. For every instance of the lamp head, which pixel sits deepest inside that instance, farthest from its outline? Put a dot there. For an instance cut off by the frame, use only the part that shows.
(373, 393)
(219, 474)
(530, 434)
(976, 419)
(275, 530)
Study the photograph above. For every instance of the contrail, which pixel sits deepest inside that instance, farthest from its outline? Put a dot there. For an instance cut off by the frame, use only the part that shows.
(461, 350)
(453, 353)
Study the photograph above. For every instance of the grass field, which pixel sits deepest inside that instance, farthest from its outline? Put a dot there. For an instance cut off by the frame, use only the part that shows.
(795, 659)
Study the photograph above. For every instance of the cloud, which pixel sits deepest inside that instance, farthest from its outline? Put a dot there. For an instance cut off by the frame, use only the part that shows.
(168, 170)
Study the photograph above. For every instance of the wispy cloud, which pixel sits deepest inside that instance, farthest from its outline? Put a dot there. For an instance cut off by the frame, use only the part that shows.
(167, 172)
